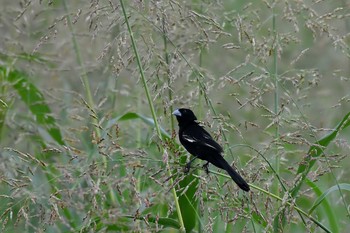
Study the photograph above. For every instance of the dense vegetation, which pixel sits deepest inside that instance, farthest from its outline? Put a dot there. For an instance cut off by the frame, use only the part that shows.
(88, 142)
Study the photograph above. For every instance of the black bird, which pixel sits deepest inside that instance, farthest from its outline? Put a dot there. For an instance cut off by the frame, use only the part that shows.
(200, 144)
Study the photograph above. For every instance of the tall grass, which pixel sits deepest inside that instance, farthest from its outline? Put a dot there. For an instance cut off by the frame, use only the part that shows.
(88, 143)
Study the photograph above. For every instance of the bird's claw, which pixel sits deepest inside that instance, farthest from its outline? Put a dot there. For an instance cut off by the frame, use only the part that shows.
(187, 168)
(206, 167)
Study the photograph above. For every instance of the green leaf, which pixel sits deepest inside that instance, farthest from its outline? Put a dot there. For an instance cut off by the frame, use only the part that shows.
(258, 218)
(3, 113)
(328, 210)
(305, 166)
(34, 100)
(35, 58)
(188, 201)
(132, 116)
(317, 150)
(325, 194)
(166, 222)
(95, 224)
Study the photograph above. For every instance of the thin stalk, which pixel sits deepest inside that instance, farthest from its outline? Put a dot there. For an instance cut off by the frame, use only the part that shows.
(85, 81)
(200, 96)
(154, 116)
(139, 128)
(200, 109)
(276, 94)
(166, 56)
(276, 104)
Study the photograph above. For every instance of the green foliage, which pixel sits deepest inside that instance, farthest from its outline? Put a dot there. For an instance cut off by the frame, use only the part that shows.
(188, 200)
(130, 116)
(33, 99)
(317, 150)
(88, 143)
(321, 198)
(327, 209)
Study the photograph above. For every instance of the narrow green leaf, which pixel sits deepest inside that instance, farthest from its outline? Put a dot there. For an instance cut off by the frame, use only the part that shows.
(328, 210)
(132, 116)
(95, 224)
(159, 209)
(325, 194)
(3, 112)
(317, 150)
(305, 166)
(258, 218)
(35, 58)
(166, 222)
(34, 100)
(188, 200)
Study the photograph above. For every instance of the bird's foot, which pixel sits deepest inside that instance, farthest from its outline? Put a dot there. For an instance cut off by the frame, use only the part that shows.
(187, 168)
(206, 167)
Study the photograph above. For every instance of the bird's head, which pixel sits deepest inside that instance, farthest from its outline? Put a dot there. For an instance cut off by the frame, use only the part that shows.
(184, 116)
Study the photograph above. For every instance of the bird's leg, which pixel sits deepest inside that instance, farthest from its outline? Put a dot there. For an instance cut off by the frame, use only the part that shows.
(188, 165)
(206, 167)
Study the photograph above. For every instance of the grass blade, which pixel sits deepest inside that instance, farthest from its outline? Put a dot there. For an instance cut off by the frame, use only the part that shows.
(3, 112)
(154, 116)
(328, 210)
(317, 150)
(132, 116)
(188, 200)
(321, 198)
(166, 222)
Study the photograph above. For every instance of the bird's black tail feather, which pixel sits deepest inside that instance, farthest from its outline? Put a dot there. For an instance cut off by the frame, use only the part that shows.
(234, 175)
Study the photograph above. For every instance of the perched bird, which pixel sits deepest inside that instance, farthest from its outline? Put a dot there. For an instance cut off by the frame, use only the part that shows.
(198, 142)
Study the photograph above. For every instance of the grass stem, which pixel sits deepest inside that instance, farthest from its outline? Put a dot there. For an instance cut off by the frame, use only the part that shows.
(154, 116)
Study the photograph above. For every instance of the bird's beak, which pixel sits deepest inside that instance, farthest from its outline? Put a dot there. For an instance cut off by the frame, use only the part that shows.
(177, 112)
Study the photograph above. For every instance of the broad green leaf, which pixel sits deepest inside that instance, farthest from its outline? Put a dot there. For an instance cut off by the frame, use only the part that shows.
(34, 100)
(321, 198)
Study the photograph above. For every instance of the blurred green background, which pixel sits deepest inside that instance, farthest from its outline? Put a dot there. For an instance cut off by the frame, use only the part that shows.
(79, 148)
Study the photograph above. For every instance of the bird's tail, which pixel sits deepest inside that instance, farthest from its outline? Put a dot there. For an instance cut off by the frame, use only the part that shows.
(235, 176)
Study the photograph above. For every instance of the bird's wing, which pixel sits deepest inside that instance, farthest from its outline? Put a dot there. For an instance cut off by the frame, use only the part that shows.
(196, 136)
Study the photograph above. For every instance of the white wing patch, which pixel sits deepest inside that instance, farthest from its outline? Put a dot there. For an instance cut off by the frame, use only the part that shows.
(194, 140)
(209, 145)
(188, 138)
(206, 136)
